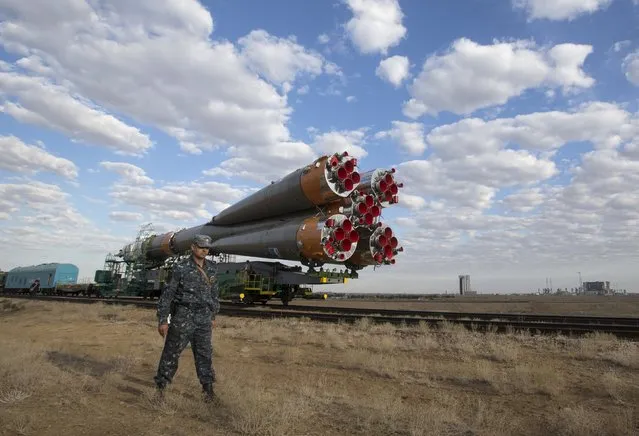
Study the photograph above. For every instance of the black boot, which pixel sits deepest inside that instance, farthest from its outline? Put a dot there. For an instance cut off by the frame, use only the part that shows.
(209, 395)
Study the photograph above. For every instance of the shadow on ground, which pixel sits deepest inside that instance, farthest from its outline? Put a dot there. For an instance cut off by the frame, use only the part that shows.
(83, 364)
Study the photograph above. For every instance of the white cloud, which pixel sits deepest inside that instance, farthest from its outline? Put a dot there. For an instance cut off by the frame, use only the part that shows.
(187, 202)
(157, 64)
(409, 136)
(560, 9)
(323, 38)
(35, 195)
(376, 25)
(332, 69)
(393, 69)
(130, 173)
(413, 202)
(43, 220)
(264, 164)
(472, 76)
(34, 63)
(351, 141)
(270, 163)
(42, 103)
(566, 62)
(524, 200)
(45, 227)
(30, 159)
(195, 148)
(414, 109)
(351, 99)
(472, 160)
(605, 124)
(279, 60)
(589, 224)
(126, 216)
(502, 168)
(631, 67)
(429, 179)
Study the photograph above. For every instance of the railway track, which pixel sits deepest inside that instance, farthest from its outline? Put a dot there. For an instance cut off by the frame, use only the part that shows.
(495, 322)
(519, 317)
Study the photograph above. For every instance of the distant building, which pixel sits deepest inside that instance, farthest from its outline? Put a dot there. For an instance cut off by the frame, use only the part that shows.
(597, 288)
(464, 285)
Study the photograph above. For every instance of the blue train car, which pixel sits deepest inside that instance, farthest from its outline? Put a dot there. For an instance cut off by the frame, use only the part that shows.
(49, 275)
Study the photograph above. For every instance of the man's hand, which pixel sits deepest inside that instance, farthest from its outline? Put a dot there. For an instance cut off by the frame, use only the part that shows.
(163, 329)
(212, 323)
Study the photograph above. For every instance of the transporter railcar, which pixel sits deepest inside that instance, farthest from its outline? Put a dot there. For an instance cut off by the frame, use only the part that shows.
(246, 282)
(44, 278)
(257, 281)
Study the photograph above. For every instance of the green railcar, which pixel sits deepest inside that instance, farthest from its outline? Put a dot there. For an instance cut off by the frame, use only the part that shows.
(105, 283)
(242, 285)
(259, 282)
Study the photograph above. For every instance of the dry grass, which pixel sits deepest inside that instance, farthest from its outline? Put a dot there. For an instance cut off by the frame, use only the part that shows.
(88, 369)
(8, 306)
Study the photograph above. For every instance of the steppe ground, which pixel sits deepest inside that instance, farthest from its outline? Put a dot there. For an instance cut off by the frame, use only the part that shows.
(72, 369)
(617, 305)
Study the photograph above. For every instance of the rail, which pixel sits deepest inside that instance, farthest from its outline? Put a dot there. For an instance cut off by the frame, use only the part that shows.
(449, 315)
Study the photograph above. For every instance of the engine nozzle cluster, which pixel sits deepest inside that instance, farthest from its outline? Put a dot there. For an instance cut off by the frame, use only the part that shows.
(341, 170)
(364, 210)
(386, 188)
(384, 245)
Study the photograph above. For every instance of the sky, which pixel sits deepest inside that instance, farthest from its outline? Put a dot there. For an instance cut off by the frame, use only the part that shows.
(514, 126)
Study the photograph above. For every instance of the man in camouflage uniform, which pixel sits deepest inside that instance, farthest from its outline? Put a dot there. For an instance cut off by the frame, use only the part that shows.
(191, 298)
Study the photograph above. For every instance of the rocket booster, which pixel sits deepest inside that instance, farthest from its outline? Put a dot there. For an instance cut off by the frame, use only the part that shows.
(324, 212)
(313, 238)
(326, 180)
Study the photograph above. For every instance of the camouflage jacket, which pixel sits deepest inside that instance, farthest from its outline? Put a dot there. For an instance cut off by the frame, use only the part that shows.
(188, 286)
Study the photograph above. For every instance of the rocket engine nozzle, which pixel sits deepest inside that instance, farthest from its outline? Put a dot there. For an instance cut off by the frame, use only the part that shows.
(338, 238)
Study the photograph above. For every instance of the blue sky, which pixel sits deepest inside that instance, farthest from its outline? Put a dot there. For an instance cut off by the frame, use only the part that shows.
(508, 120)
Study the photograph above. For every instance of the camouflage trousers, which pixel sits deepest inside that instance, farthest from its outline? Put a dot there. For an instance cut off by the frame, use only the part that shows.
(186, 326)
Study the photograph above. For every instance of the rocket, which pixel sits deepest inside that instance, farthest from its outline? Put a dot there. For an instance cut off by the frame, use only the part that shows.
(326, 212)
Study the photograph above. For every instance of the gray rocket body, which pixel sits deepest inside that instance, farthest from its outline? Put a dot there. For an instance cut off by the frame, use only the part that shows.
(280, 198)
